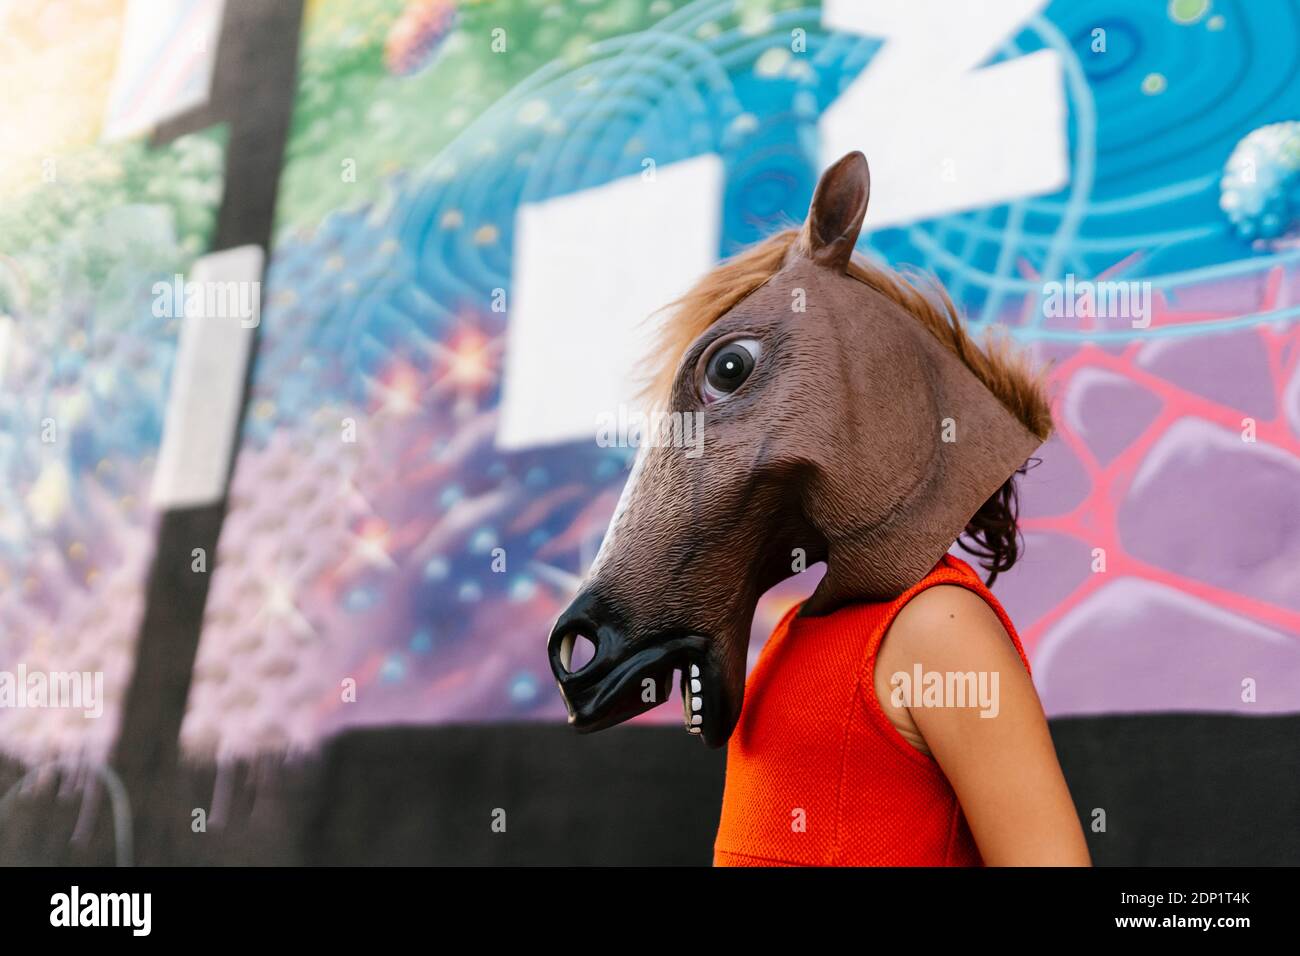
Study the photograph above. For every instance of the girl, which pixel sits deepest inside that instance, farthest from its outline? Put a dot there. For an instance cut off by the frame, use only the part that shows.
(848, 418)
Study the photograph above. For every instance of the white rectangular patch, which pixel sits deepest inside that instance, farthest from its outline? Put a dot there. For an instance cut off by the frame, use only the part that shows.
(941, 133)
(590, 271)
(207, 388)
(164, 63)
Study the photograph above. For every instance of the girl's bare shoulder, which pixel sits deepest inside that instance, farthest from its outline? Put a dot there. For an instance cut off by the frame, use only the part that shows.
(948, 626)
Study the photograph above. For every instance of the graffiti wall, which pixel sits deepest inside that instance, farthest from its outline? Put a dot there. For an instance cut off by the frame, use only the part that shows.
(481, 202)
(481, 208)
(87, 226)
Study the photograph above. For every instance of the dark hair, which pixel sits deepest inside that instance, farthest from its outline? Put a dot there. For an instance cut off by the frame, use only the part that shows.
(993, 535)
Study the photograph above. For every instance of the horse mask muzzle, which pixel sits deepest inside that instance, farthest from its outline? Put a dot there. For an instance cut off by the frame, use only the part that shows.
(673, 589)
(836, 428)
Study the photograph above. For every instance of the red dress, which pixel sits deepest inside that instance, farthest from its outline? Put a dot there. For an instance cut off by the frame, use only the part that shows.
(816, 773)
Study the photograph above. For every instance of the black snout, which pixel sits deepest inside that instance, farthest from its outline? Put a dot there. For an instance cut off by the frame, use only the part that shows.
(622, 678)
(587, 620)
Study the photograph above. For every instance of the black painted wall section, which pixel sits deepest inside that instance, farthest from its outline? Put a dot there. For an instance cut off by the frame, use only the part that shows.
(1183, 789)
(1177, 789)
(1186, 789)
(634, 795)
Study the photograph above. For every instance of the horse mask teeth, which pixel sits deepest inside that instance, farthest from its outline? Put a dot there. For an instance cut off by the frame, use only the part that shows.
(837, 427)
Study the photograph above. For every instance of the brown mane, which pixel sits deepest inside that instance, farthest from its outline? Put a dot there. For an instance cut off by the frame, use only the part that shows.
(1004, 370)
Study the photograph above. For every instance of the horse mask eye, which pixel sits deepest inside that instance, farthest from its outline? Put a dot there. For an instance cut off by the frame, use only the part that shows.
(727, 369)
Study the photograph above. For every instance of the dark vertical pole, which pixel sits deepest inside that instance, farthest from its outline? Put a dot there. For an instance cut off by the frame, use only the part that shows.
(252, 92)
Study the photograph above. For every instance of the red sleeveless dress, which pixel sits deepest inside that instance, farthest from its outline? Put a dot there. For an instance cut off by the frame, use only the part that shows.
(816, 773)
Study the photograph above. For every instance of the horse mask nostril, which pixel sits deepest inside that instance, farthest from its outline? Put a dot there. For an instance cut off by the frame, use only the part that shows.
(576, 652)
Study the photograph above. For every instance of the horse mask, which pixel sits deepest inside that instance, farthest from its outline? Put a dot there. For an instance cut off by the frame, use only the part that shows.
(837, 427)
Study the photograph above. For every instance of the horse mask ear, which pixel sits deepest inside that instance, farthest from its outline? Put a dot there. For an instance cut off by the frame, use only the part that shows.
(838, 207)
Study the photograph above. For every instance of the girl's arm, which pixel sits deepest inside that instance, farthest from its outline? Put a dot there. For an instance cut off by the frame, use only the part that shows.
(1003, 767)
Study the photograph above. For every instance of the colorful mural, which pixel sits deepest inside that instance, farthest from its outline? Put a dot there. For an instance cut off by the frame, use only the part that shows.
(84, 369)
(379, 534)
(85, 230)
(382, 533)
